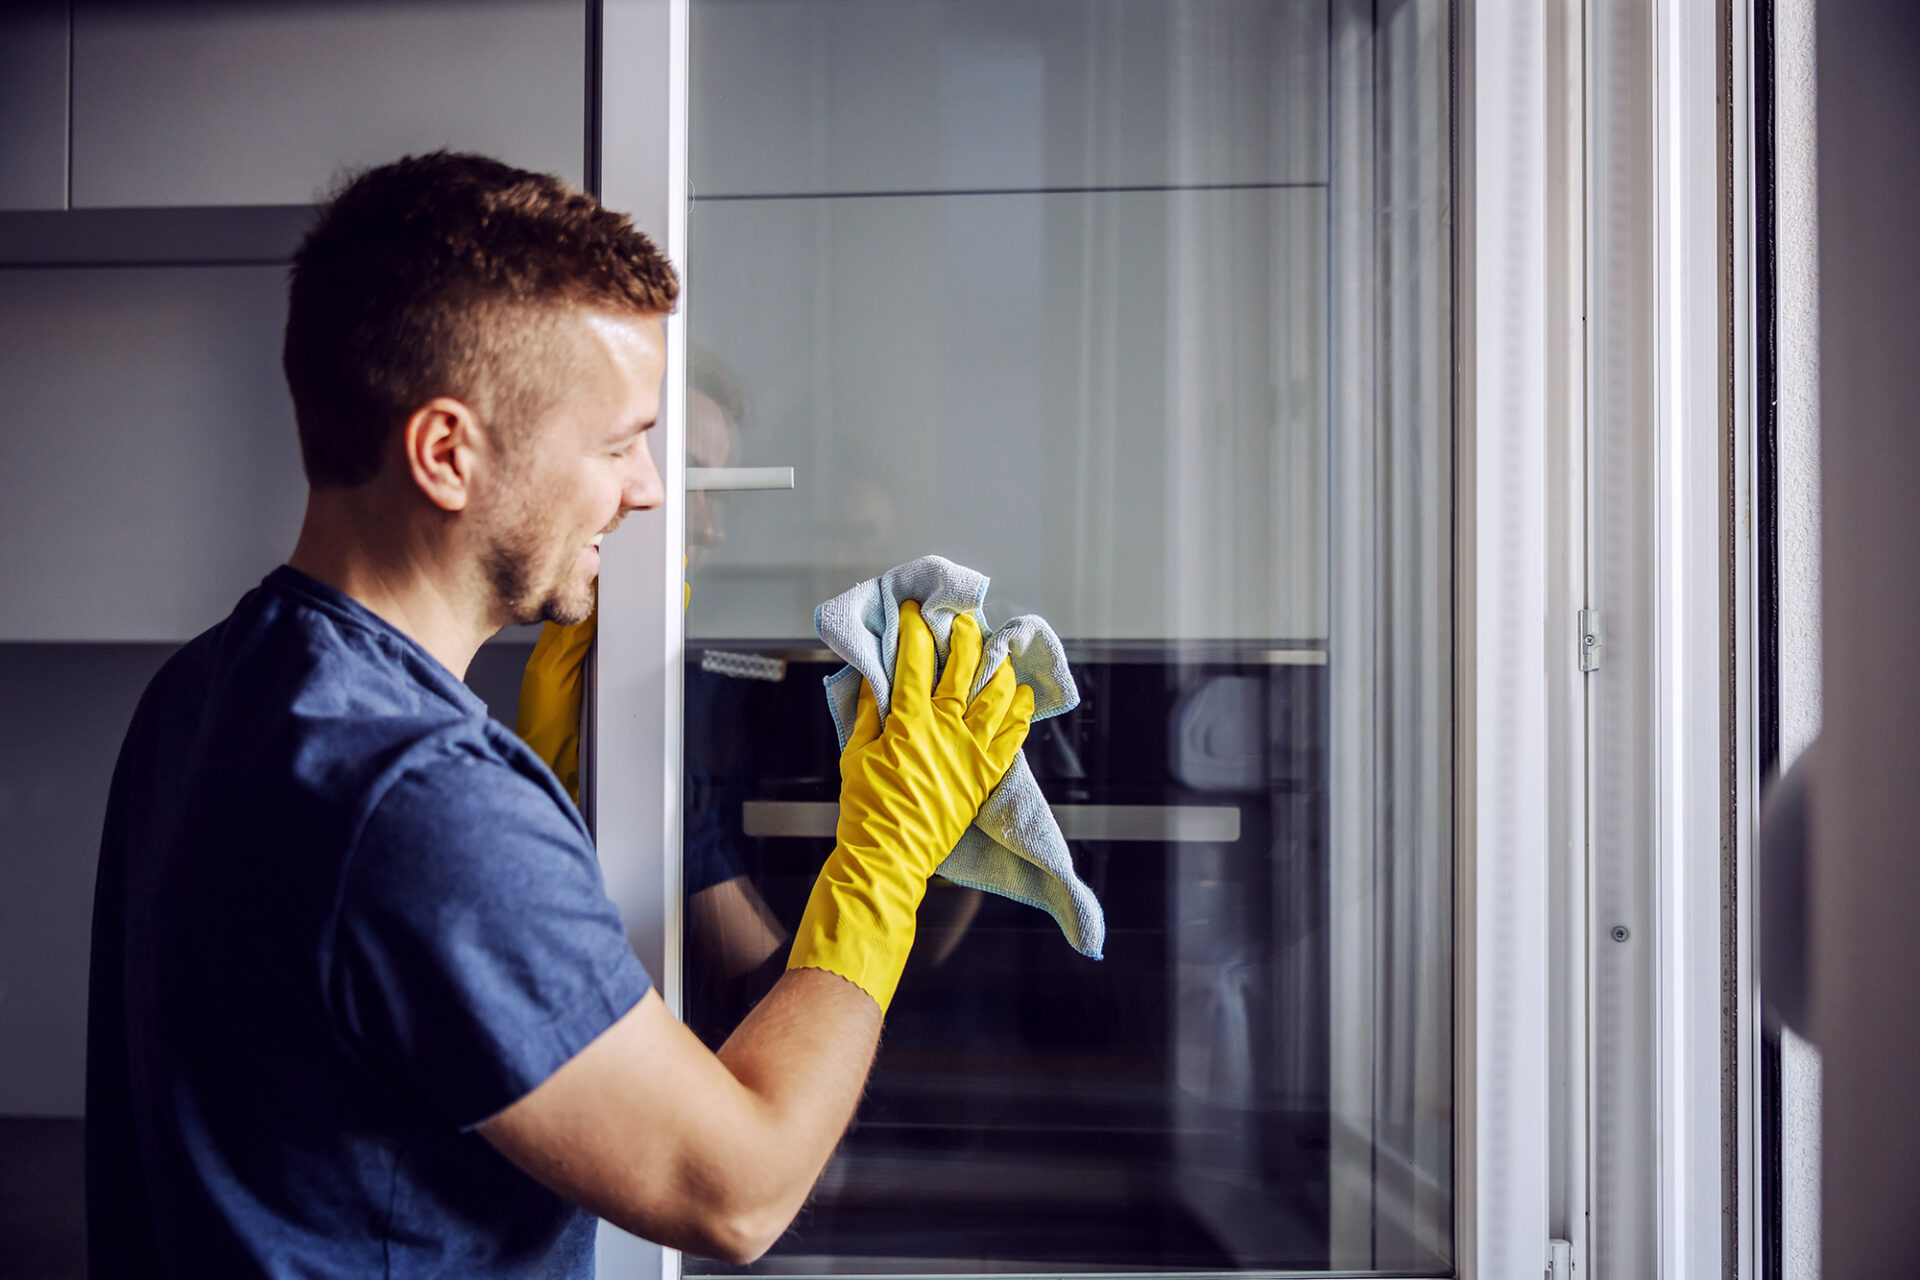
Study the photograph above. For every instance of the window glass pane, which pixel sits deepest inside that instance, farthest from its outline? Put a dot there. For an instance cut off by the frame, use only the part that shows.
(1142, 309)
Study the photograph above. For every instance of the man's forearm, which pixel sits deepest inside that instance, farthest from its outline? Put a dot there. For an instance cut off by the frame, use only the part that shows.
(804, 1053)
(650, 1130)
(806, 1049)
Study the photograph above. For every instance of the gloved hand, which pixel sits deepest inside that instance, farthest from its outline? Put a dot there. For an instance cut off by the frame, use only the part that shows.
(907, 794)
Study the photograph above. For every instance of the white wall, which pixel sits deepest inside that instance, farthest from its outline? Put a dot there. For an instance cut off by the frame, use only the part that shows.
(1864, 880)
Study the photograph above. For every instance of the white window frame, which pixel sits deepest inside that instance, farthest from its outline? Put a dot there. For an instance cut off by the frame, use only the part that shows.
(1502, 632)
(1666, 1161)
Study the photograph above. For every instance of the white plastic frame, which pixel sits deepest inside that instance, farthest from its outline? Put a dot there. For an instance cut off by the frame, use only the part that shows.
(638, 656)
(1707, 788)
(1670, 1016)
(1504, 657)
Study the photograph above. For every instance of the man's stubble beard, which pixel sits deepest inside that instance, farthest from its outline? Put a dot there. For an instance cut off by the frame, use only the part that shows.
(514, 572)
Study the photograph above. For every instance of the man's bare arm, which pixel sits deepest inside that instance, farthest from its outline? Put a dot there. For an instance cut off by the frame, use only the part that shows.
(710, 1154)
(715, 1154)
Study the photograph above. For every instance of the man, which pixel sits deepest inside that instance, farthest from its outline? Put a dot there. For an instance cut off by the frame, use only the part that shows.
(360, 1005)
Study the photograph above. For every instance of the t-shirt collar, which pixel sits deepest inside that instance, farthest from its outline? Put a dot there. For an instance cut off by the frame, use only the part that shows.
(287, 580)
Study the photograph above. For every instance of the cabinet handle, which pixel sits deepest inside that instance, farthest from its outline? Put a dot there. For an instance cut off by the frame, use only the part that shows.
(1155, 823)
(715, 479)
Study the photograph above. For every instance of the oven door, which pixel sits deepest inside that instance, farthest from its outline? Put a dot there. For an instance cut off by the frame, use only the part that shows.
(1148, 311)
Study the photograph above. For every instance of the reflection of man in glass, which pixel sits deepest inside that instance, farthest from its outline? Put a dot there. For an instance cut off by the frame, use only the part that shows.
(716, 407)
(729, 922)
(730, 927)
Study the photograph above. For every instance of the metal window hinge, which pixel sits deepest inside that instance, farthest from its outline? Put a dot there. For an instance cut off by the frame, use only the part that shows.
(1589, 640)
(1559, 1260)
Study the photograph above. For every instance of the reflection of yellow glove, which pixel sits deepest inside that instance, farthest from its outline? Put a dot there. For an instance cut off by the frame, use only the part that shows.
(906, 796)
(549, 717)
(550, 692)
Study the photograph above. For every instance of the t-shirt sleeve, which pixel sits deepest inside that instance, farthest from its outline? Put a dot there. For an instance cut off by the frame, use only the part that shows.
(476, 950)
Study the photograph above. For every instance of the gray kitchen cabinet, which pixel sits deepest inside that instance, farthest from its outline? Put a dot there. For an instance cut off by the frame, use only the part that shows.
(149, 469)
(33, 105)
(871, 96)
(1222, 436)
(211, 102)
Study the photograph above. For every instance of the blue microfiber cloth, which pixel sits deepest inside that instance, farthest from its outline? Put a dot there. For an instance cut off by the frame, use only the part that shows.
(1014, 847)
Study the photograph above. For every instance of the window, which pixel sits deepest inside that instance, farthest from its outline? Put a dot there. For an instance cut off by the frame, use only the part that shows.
(1144, 310)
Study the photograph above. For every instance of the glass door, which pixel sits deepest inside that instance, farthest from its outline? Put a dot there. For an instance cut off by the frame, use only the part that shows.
(1143, 309)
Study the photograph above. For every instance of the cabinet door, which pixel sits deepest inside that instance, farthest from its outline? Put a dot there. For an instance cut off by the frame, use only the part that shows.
(134, 397)
(33, 105)
(212, 102)
(1082, 294)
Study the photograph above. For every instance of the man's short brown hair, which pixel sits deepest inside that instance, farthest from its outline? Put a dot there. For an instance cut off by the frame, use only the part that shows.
(448, 275)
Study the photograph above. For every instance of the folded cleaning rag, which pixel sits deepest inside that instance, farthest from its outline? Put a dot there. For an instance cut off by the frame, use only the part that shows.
(1014, 847)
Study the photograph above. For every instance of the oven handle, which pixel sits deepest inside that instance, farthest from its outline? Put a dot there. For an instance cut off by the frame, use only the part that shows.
(1151, 823)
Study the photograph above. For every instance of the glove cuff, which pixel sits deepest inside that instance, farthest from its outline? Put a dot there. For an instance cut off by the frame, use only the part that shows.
(859, 922)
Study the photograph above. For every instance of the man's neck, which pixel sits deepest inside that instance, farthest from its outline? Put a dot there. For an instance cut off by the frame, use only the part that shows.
(399, 570)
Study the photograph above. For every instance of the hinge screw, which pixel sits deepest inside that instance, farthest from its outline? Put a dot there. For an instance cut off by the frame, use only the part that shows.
(1619, 933)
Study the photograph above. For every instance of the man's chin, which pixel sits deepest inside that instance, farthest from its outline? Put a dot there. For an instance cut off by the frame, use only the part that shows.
(571, 609)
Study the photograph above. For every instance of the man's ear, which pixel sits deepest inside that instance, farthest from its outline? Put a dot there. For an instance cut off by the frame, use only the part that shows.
(442, 442)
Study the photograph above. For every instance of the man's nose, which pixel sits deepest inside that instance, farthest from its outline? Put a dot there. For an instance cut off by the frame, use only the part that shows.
(643, 491)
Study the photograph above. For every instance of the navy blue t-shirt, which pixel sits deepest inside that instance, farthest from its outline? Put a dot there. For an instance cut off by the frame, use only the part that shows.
(342, 917)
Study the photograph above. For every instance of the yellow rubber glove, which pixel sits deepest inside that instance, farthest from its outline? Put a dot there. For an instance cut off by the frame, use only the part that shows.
(907, 794)
(550, 690)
